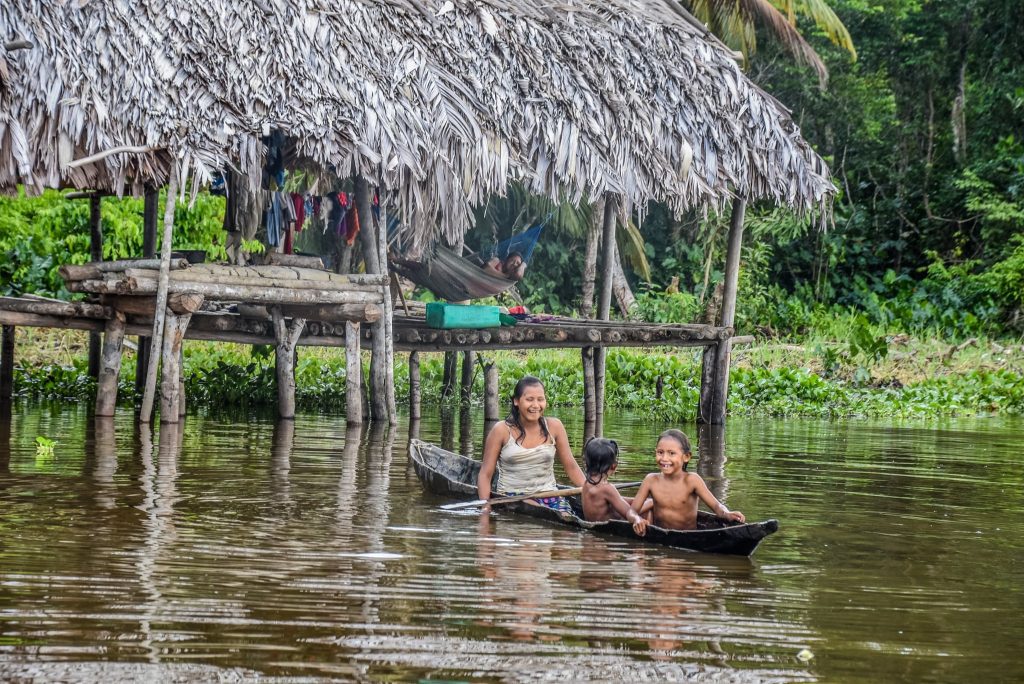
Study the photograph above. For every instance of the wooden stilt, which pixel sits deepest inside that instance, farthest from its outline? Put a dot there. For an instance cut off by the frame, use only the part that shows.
(110, 365)
(466, 380)
(379, 340)
(7, 333)
(711, 464)
(589, 407)
(286, 336)
(388, 317)
(732, 274)
(182, 408)
(451, 360)
(414, 386)
(707, 384)
(492, 407)
(604, 306)
(96, 254)
(149, 218)
(170, 375)
(353, 375)
(466, 442)
(146, 412)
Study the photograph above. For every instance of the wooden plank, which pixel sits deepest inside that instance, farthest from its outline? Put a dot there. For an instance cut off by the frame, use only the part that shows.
(279, 259)
(56, 307)
(228, 292)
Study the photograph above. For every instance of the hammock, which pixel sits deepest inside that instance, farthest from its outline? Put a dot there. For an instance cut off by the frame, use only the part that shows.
(457, 278)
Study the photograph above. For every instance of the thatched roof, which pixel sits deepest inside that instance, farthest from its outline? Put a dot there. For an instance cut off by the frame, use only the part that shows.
(442, 102)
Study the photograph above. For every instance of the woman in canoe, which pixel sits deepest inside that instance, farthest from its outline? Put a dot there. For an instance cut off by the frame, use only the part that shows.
(523, 447)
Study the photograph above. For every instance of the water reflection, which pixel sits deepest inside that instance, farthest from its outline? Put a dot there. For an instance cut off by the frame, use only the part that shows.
(711, 459)
(304, 549)
(517, 574)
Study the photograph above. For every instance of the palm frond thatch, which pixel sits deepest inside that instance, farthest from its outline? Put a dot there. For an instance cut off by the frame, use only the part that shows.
(440, 102)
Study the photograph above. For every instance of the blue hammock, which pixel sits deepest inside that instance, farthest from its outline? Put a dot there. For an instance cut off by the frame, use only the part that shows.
(457, 278)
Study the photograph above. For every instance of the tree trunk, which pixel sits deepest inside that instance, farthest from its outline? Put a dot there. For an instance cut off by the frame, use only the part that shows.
(590, 258)
(620, 286)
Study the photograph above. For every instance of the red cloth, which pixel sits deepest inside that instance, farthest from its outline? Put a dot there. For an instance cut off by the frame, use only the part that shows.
(299, 202)
(352, 225)
(518, 310)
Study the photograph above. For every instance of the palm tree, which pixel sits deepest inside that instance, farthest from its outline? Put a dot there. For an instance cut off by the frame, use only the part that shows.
(735, 22)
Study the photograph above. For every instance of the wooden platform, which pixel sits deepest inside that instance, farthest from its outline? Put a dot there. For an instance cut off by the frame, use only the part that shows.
(410, 332)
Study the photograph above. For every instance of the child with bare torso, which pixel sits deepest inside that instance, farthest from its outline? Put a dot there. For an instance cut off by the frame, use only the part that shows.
(674, 491)
(602, 501)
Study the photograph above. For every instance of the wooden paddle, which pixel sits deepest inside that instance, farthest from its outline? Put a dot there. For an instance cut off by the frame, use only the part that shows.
(522, 497)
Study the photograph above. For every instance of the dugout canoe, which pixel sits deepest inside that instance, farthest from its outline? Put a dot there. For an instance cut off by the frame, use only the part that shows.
(453, 475)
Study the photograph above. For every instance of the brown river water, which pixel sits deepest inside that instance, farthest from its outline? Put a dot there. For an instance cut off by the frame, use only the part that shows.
(238, 548)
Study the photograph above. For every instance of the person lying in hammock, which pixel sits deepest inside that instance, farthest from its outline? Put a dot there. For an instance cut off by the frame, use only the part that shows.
(512, 267)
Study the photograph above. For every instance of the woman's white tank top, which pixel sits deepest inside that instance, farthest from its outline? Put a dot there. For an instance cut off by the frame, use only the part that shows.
(526, 470)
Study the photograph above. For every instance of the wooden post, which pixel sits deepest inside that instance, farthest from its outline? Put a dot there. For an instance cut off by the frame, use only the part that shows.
(149, 218)
(451, 360)
(286, 336)
(589, 407)
(705, 407)
(387, 315)
(466, 380)
(146, 411)
(96, 254)
(414, 386)
(492, 407)
(181, 380)
(604, 306)
(7, 333)
(170, 376)
(724, 350)
(353, 375)
(379, 339)
(110, 365)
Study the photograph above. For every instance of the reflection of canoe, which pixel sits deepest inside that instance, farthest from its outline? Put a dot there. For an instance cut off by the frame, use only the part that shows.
(454, 475)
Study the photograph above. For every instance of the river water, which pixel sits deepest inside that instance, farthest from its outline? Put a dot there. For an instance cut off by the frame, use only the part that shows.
(236, 547)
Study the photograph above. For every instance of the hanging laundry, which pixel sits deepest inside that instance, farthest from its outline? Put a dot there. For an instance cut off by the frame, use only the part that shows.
(299, 207)
(273, 219)
(352, 225)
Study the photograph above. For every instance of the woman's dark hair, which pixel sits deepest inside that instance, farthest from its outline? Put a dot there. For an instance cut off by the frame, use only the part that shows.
(599, 455)
(679, 436)
(513, 414)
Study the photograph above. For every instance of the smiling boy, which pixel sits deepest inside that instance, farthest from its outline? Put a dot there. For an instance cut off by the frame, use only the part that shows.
(674, 491)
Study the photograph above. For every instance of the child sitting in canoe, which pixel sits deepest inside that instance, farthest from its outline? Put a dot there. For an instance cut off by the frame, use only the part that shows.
(602, 501)
(674, 491)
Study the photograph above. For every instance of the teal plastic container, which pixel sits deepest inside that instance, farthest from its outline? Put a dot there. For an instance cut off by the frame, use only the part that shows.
(446, 316)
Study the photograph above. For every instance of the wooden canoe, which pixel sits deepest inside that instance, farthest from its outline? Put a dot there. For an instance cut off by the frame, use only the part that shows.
(453, 475)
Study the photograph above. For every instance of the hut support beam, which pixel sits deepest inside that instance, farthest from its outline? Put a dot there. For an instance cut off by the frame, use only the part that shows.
(466, 380)
(7, 333)
(149, 219)
(146, 411)
(415, 412)
(589, 407)
(96, 254)
(110, 365)
(286, 336)
(604, 305)
(170, 374)
(353, 375)
(719, 388)
(492, 410)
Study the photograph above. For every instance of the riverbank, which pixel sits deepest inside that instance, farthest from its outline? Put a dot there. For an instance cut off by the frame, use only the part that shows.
(914, 378)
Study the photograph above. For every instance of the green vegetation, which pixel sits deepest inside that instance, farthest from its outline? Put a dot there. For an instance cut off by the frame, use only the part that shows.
(914, 378)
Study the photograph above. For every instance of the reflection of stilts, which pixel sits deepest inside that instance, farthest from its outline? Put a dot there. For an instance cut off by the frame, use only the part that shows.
(447, 427)
(104, 461)
(466, 445)
(5, 444)
(711, 461)
(280, 462)
(159, 494)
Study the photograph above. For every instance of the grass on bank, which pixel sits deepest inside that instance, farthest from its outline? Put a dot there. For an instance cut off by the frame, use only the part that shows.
(816, 377)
